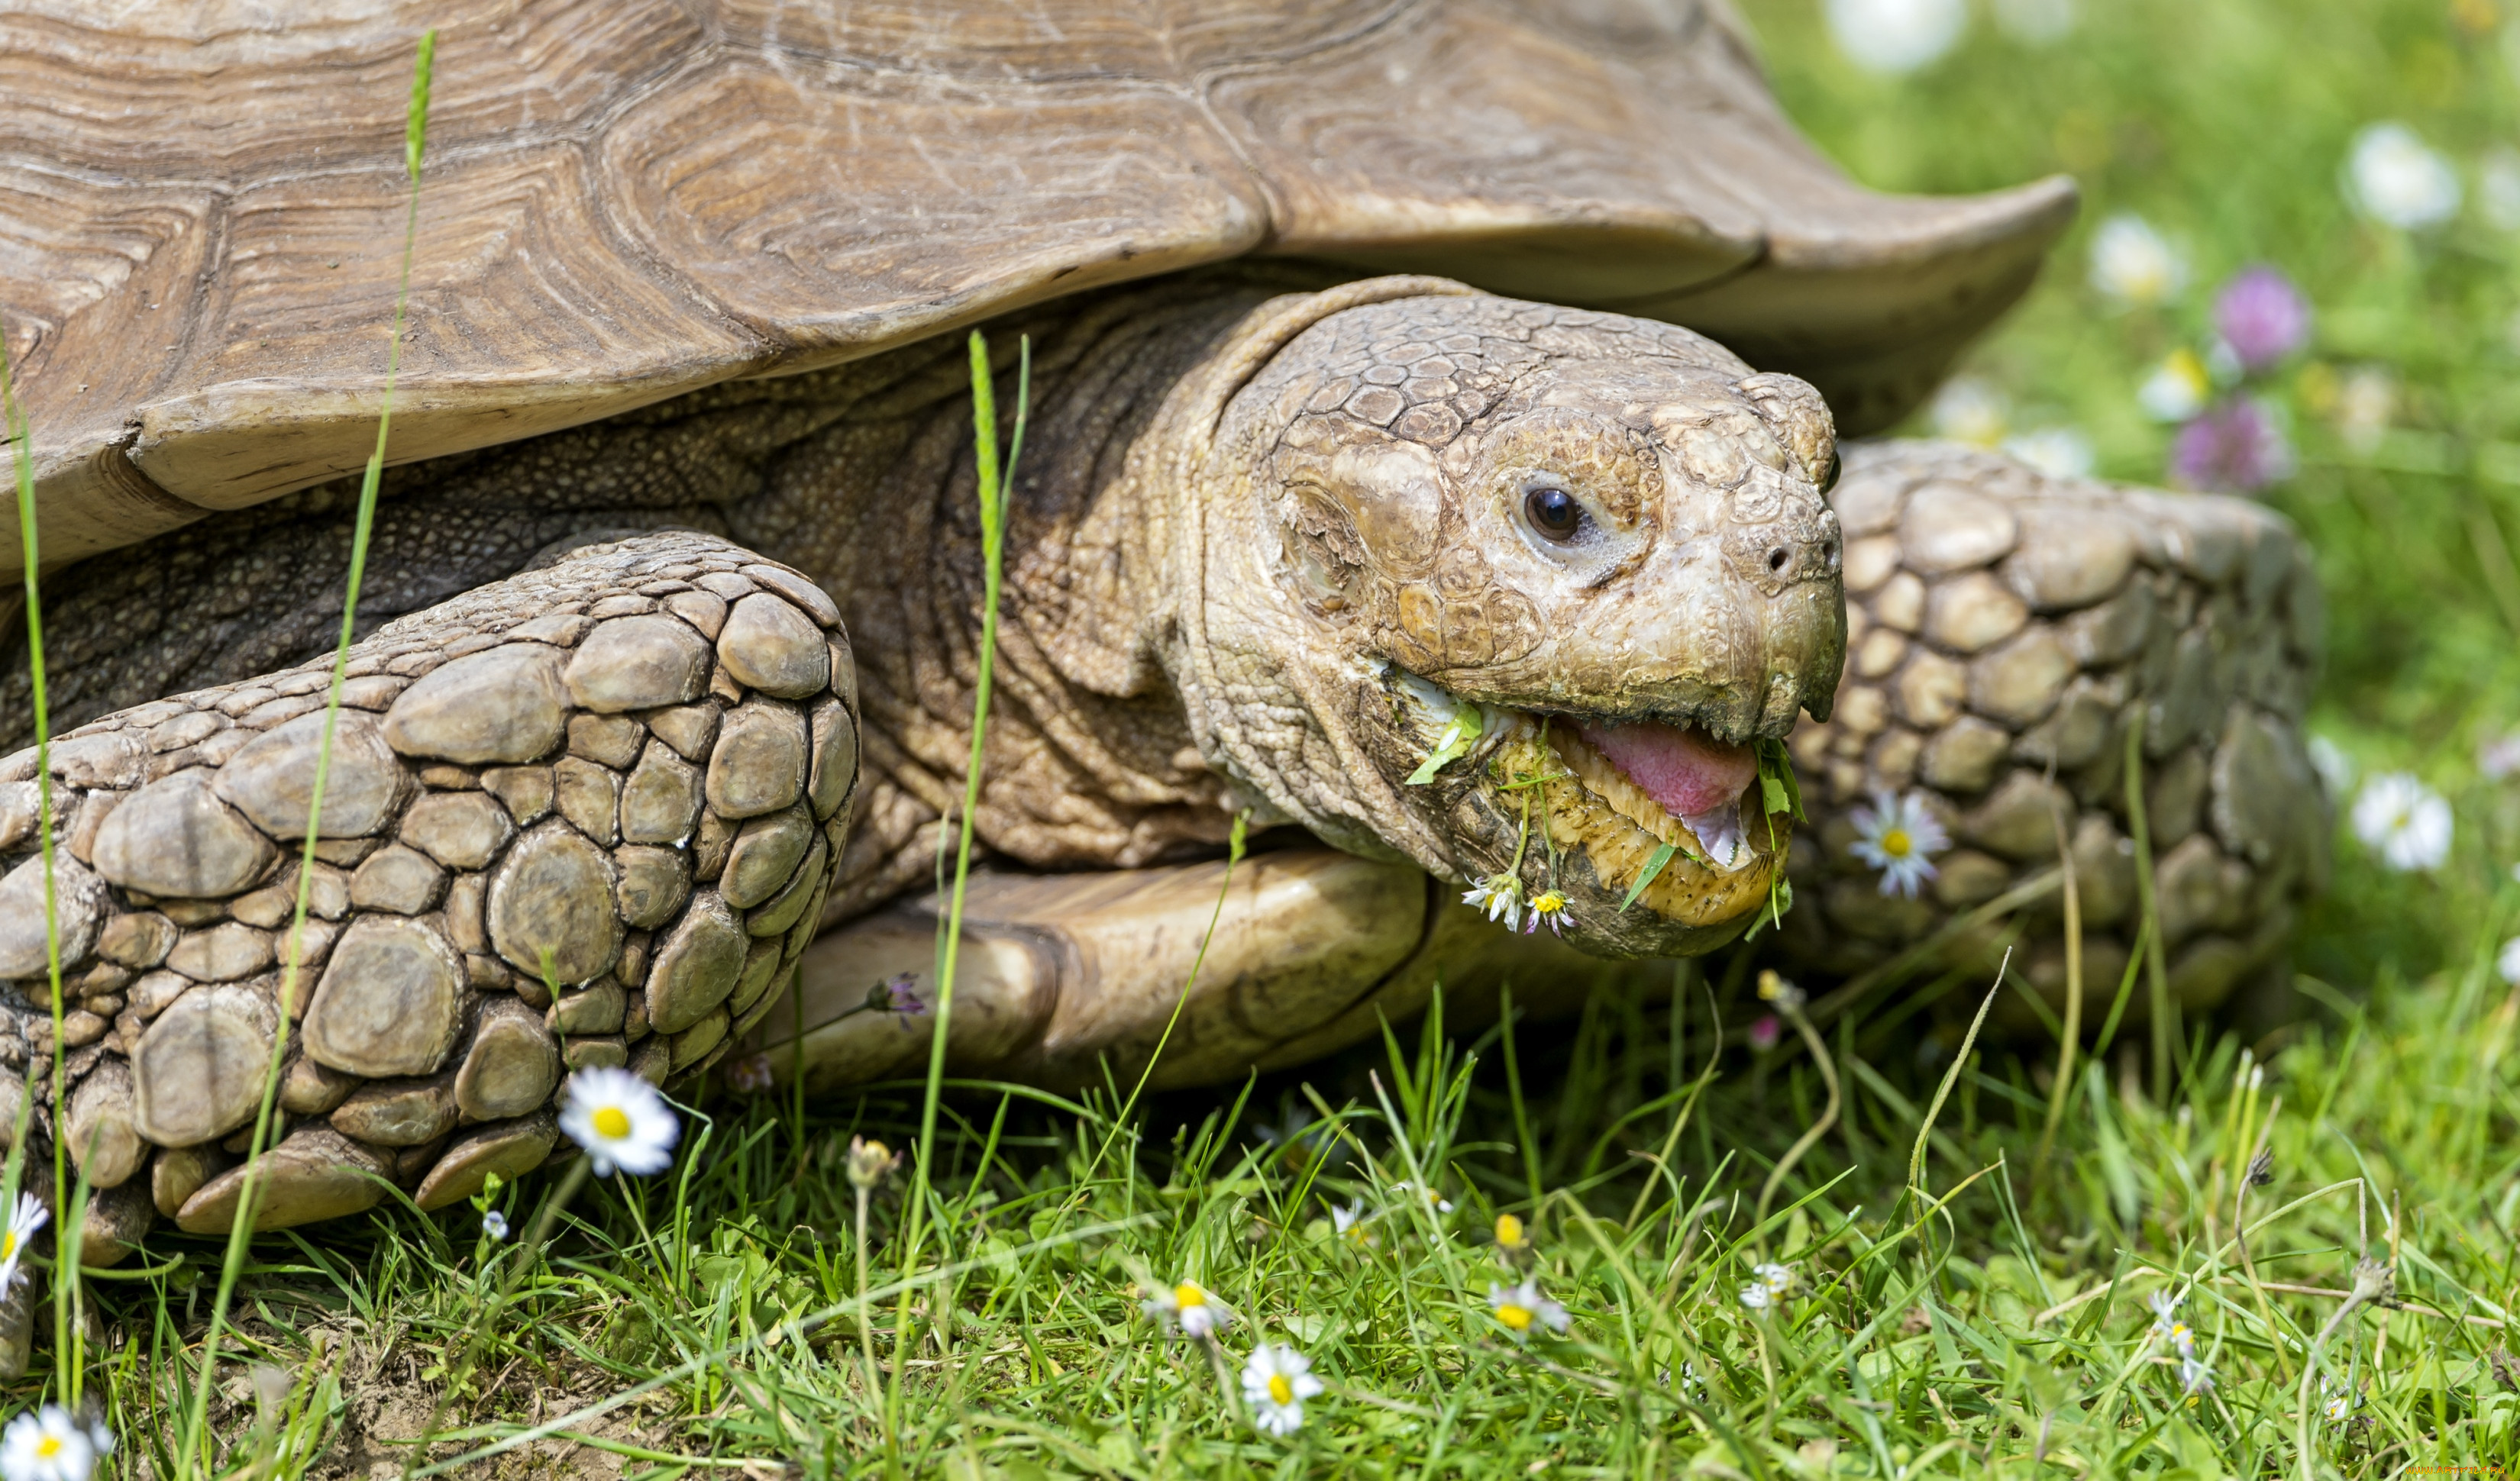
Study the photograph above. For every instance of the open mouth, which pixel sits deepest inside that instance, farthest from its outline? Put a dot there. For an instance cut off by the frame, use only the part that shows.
(1665, 817)
(1657, 774)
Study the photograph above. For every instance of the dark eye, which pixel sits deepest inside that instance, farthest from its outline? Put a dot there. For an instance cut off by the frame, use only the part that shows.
(1554, 513)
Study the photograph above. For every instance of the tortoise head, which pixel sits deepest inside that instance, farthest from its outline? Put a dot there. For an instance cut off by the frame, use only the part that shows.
(1543, 588)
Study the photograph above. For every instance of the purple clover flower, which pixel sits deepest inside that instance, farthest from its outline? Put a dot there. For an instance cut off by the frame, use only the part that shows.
(2262, 316)
(2233, 447)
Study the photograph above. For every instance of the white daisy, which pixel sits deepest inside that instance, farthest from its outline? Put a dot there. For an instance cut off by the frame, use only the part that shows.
(2167, 1325)
(2366, 404)
(1189, 1307)
(2195, 1377)
(1757, 1297)
(1549, 906)
(2177, 389)
(28, 1217)
(1350, 1222)
(1898, 836)
(1895, 36)
(1500, 896)
(1276, 1382)
(1969, 410)
(2407, 821)
(2393, 178)
(2134, 264)
(50, 1445)
(1522, 1307)
(621, 1120)
(1775, 1278)
(2339, 1407)
(2059, 451)
(1434, 1201)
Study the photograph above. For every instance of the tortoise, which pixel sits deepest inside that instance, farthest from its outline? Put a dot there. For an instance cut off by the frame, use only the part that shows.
(1435, 415)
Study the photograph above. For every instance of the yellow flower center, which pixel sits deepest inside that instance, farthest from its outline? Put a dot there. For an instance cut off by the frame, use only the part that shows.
(1279, 1389)
(1186, 1296)
(611, 1123)
(1517, 1317)
(1508, 1231)
(1549, 903)
(1896, 843)
(48, 1447)
(7, 1243)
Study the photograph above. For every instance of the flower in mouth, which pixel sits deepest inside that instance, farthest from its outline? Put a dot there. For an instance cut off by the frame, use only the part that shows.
(1500, 896)
(1549, 906)
(1898, 836)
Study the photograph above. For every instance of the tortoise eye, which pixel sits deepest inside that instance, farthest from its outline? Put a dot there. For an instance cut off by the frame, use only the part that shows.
(1554, 513)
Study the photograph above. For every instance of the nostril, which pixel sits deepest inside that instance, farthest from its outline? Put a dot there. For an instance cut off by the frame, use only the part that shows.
(1778, 559)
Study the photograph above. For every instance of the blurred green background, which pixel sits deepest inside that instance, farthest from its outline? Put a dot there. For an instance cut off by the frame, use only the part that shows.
(2227, 126)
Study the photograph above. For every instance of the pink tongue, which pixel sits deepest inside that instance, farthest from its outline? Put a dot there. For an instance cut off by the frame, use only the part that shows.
(1684, 769)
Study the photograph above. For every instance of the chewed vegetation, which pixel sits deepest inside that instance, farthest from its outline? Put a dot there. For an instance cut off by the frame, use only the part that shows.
(1691, 1230)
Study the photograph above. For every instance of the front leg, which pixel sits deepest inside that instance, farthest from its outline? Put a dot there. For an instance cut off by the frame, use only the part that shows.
(582, 816)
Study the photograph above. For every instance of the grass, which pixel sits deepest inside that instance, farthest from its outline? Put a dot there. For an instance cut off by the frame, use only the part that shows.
(1957, 1303)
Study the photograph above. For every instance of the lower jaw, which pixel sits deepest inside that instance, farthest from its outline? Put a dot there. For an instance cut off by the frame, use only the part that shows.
(1590, 806)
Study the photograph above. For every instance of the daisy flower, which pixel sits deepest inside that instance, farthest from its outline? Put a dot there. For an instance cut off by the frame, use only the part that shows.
(1893, 36)
(2134, 263)
(2392, 177)
(1276, 1382)
(1898, 836)
(2195, 1377)
(50, 1445)
(1969, 410)
(1500, 896)
(1350, 1222)
(1757, 1296)
(1775, 1278)
(2059, 451)
(2407, 821)
(1434, 1201)
(1549, 906)
(1520, 1307)
(2169, 1327)
(1189, 1307)
(2176, 390)
(621, 1120)
(28, 1217)
(1510, 1235)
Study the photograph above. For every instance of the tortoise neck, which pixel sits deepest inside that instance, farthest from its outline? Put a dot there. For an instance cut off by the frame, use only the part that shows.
(1090, 762)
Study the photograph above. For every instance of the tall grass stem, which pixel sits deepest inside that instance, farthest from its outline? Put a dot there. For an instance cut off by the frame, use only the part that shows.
(249, 1193)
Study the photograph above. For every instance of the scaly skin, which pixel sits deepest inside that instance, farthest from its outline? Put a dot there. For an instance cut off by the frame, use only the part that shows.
(1264, 543)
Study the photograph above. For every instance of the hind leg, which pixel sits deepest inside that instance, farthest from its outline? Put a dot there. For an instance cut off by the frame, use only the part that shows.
(582, 816)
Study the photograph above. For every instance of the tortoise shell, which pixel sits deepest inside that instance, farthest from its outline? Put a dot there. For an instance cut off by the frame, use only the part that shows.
(202, 204)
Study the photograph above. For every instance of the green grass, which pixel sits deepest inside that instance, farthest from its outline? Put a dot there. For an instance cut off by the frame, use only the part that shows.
(1960, 1306)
